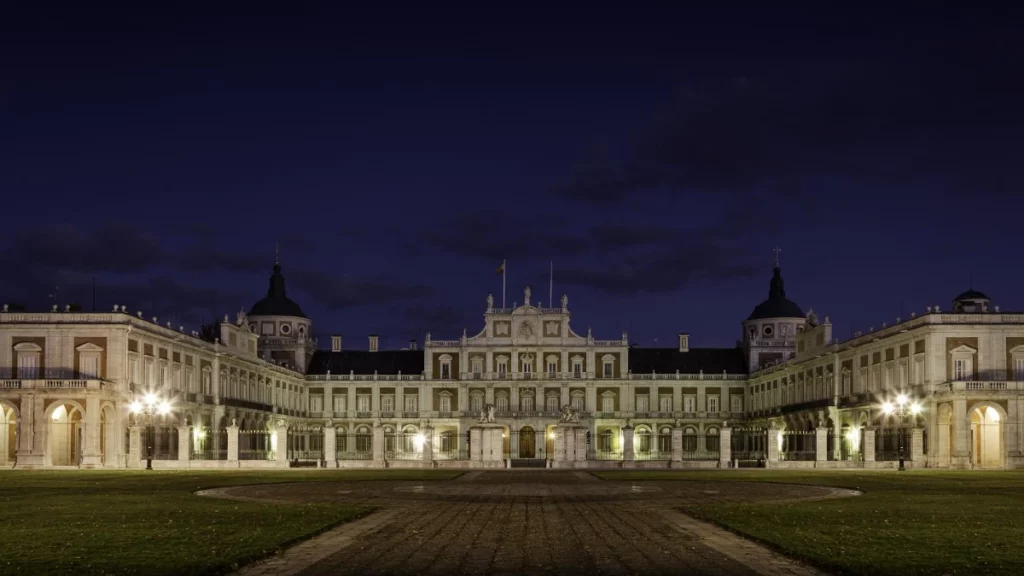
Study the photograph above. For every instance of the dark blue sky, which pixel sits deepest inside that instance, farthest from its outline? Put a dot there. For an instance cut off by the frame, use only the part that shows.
(657, 158)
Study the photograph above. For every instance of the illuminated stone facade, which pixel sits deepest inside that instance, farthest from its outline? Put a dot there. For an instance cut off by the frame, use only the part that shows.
(258, 392)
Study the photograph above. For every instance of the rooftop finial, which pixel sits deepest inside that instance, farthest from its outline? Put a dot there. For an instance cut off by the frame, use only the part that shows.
(277, 253)
(777, 250)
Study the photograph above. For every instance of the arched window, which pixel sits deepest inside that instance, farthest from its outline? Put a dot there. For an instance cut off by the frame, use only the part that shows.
(643, 440)
(665, 439)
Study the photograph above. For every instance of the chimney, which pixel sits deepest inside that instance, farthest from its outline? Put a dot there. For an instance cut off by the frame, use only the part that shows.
(373, 342)
(335, 343)
(684, 342)
(412, 345)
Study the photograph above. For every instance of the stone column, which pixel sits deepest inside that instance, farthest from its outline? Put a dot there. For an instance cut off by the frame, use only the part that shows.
(773, 446)
(677, 447)
(233, 442)
(724, 447)
(476, 444)
(134, 446)
(91, 457)
(581, 445)
(378, 445)
(330, 455)
(961, 457)
(628, 456)
(281, 444)
(184, 444)
(917, 447)
(559, 444)
(869, 444)
(821, 444)
(428, 444)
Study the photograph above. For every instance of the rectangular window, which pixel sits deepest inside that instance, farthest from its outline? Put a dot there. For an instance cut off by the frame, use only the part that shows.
(577, 370)
(478, 367)
(316, 403)
(689, 403)
(712, 403)
(387, 403)
(904, 380)
(961, 369)
(363, 403)
(876, 378)
(577, 403)
(552, 369)
(446, 371)
(737, 404)
(666, 403)
(643, 403)
(28, 366)
(888, 376)
(527, 369)
(608, 404)
(149, 377)
(608, 372)
(446, 404)
(207, 383)
(89, 366)
(502, 369)
(190, 381)
(412, 404)
(476, 403)
(1018, 369)
(526, 403)
(552, 404)
(340, 403)
(501, 404)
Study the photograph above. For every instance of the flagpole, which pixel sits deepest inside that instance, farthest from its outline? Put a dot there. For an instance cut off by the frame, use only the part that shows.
(504, 270)
(551, 286)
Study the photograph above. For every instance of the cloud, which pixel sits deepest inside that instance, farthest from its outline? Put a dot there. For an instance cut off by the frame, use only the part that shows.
(111, 247)
(496, 235)
(337, 292)
(445, 321)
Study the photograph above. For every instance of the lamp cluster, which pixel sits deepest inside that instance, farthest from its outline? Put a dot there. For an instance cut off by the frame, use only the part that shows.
(151, 404)
(902, 407)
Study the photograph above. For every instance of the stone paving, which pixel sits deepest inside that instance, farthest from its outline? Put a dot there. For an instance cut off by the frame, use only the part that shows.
(528, 522)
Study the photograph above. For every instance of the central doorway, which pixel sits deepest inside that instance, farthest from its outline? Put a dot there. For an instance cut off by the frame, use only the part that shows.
(523, 449)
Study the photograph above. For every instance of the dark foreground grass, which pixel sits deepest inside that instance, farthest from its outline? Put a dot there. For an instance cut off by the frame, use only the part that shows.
(94, 522)
(920, 522)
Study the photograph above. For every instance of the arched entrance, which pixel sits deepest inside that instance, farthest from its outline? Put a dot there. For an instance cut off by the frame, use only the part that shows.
(527, 443)
(65, 435)
(986, 437)
(8, 435)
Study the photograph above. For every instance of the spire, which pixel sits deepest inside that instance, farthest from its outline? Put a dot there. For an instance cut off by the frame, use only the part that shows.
(277, 254)
(777, 250)
(777, 288)
(276, 289)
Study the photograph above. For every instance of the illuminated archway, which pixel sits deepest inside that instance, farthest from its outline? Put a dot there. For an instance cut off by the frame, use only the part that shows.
(987, 435)
(64, 437)
(8, 434)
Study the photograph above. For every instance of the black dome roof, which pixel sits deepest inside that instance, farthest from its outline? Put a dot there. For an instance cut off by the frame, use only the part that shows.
(277, 303)
(971, 294)
(777, 305)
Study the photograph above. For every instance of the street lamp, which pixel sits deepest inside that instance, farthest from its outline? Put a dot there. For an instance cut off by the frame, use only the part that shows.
(902, 408)
(150, 405)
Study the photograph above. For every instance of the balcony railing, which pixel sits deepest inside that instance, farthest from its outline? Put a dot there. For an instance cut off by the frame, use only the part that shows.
(982, 386)
(61, 384)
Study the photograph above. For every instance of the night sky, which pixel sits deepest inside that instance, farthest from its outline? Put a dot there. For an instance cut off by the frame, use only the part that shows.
(398, 158)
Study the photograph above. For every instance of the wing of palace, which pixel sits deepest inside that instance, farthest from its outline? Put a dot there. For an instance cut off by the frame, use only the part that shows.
(941, 388)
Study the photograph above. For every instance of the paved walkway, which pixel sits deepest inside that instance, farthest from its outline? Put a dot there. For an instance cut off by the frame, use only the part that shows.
(528, 522)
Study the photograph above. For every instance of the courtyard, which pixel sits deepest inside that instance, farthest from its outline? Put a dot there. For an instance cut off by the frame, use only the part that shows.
(511, 522)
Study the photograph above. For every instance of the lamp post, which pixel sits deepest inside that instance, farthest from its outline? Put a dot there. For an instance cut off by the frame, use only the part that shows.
(902, 408)
(150, 405)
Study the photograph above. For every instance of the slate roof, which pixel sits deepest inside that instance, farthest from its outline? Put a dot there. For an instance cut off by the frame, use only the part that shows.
(277, 303)
(777, 305)
(668, 360)
(366, 362)
(972, 295)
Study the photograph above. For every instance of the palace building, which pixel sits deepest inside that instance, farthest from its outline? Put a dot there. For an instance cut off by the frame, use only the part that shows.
(940, 389)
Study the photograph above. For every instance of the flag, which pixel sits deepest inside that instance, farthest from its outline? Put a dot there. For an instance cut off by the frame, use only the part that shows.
(501, 269)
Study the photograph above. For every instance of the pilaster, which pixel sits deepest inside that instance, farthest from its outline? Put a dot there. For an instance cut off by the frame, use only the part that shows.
(628, 455)
(724, 447)
(869, 444)
(428, 443)
(330, 454)
(773, 446)
(233, 442)
(184, 443)
(281, 444)
(917, 447)
(821, 444)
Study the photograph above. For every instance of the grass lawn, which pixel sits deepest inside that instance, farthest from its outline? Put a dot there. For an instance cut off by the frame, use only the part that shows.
(96, 522)
(921, 522)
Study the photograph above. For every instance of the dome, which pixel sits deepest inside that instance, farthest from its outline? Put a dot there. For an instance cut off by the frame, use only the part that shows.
(777, 305)
(971, 294)
(276, 303)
